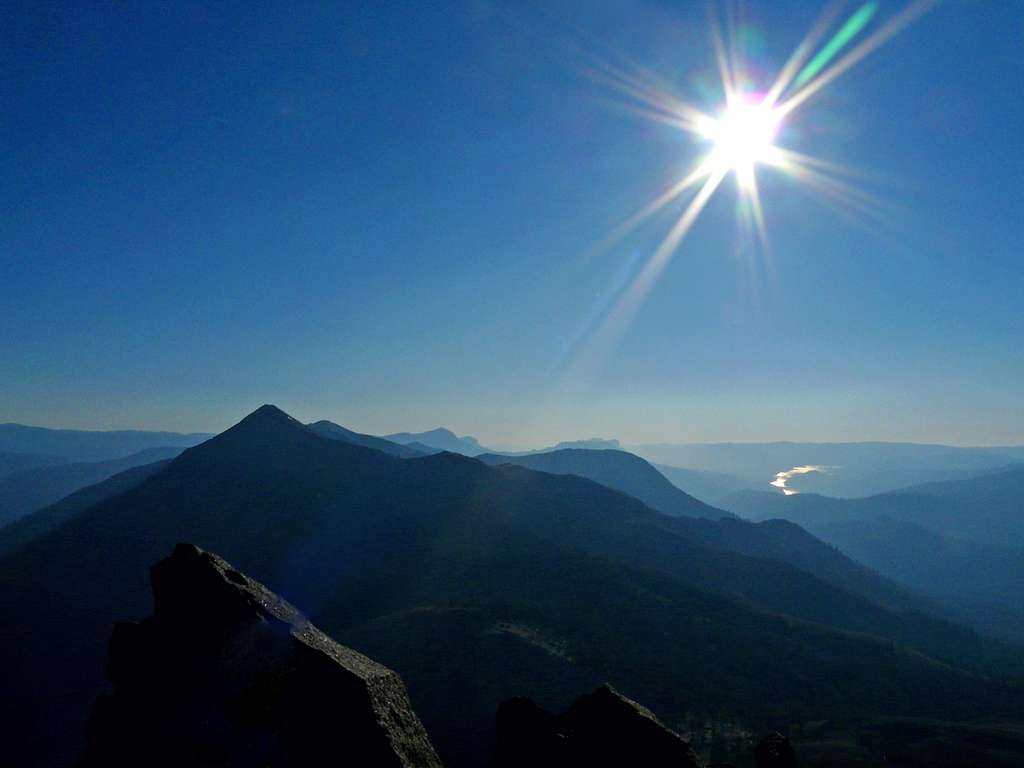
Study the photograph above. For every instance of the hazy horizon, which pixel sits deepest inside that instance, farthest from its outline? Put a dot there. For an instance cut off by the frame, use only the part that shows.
(469, 431)
(391, 218)
(774, 248)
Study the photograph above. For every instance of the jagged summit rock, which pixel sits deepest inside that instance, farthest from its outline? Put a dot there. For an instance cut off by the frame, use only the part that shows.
(226, 673)
(601, 729)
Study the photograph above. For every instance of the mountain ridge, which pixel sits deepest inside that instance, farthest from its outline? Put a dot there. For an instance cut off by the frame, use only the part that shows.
(89, 445)
(362, 540)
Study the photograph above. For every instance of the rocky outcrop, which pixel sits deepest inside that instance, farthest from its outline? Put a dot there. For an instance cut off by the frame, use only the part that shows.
(226, 673)
(602, 728)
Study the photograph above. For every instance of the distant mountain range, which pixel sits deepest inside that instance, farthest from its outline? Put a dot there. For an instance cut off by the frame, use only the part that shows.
(841, 469)
(26, 529)
(985, 509)
(707, 486)
(960, 539)
(590, 444)
(439, 439)
(81, 445)
(32, 489)
(334, 431)
(12, 462)
(615, 469)
(477, 583)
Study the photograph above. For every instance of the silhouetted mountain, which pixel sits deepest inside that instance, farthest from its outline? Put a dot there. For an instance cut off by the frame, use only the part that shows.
(979, 583)
(1015, 452)
(226, 673)
(34, 525)
(426, 450)
(476, 584)
(952, 539)
(985, 508)
(82, 445)
(592, 444)
(789, 543)
(33, 489)
(334, 431)
(849, 469)
(440, 439)
(702, 484)
(775, 539)
(602, 729)
(20, 462)
(615, 469)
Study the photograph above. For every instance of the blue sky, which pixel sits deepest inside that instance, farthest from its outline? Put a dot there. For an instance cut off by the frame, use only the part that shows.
(386, 214)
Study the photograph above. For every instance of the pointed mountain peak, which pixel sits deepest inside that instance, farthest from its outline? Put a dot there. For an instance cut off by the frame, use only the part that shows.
(270, 412)
(268, 417)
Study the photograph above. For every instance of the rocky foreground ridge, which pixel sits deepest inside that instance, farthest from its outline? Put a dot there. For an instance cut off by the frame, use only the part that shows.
(226, 673)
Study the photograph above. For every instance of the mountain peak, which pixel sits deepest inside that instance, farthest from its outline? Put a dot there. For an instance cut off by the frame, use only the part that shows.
(269, 411)
(267, 415)
(441, 439)
(266, 421)
(443, 432)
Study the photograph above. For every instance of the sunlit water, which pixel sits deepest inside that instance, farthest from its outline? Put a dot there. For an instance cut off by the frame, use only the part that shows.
(781, 478)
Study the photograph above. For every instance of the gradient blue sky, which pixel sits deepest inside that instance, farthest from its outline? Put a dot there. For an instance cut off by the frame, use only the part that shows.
(384, 214)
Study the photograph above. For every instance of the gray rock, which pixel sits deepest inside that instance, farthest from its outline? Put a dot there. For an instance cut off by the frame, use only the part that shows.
(226, 673)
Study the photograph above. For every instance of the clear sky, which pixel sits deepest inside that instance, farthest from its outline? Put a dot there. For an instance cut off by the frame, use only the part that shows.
(386, 214)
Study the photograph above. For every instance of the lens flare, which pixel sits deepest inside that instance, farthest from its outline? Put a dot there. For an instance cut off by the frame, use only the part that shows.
(743, 136)
(740, 136)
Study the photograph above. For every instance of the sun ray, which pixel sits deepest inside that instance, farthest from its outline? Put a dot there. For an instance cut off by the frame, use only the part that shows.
(702, 170)
(846, 195)
(618, 318)
(801, 53)
(884, 33)
(721, 56)
(739, 138)
(754, 195)
(643, 87)
(860, 19)
(789, 156)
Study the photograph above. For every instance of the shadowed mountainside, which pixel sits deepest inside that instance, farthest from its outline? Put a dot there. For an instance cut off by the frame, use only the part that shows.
(712, 527)
(948, 539)
(12, 462)
(36, 488)
(985, 508)
(707, 486)
(476, 584)
(849, 469)
(616, 469)
(440, 439)
(227, 673)
(34, 525)
(334, 431)
(84, 445)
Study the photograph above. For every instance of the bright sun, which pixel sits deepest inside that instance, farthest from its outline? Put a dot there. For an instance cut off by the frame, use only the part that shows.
(742, 137)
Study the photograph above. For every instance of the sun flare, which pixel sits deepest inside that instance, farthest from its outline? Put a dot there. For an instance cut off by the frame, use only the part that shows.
(742, 136)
